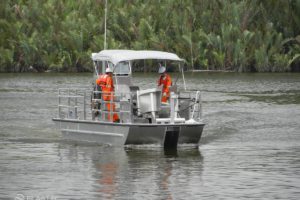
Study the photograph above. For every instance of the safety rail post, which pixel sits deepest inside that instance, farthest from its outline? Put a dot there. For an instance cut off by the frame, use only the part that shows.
(130, 108)
(152, 108)
(176, 110)
(173, 96)
(93, 105)
(75, 97)
(200, 107)
(75, 103)
(198, 101)
(59, 108)
(102, 106)
(194, 105)
(69, 102)
(84, 111)
(111, 107)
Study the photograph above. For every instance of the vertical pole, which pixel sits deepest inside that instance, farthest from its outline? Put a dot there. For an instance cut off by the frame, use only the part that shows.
(172, 107)
(102, 107)
(200, 107)
(176, 106)
(69, 97)
(130, 107)
(196, 98)
(84, 112)
(152, 108)
(111, 107)
(138, 101)
(59, 108)
(105, 25)
(103, 67)
(183, 79)
(192, 52)
(93, 106)
(96, 66)
(75, 104)
(116, 77)
(69, 103)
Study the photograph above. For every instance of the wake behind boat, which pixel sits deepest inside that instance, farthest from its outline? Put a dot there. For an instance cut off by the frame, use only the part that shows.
(142, 117)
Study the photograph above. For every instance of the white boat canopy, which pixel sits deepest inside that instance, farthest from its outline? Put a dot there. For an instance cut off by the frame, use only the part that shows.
(117, 56)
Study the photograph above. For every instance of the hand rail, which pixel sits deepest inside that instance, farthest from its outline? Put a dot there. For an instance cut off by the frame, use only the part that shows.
(73, 96)
(195, 104)
(123, 98)
(75, 102)
(198, 101)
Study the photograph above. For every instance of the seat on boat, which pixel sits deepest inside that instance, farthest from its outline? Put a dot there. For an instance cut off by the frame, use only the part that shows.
(149, 102)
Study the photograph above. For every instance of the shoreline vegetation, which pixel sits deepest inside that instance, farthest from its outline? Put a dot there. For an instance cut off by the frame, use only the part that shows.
(211, 35)
(212, 71)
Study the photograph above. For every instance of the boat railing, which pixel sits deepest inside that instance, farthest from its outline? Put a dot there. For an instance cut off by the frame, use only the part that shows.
(197, 107)
(122, 101)
(191, 104)
(72, 103)
(185, 107)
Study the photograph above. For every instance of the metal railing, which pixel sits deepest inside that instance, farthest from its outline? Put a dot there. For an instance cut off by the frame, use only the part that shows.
(73, 103)
(197, 107)
(193, 108)
(124, 99)
(74, 100)
(195, 103)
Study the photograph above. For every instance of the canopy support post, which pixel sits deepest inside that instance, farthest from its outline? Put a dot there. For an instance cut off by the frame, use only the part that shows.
(183, 79)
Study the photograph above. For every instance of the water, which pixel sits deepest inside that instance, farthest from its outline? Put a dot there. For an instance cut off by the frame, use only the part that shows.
(249, 149)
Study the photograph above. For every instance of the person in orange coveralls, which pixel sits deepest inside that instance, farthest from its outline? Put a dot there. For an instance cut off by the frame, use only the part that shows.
(107, 85)
(166, 81)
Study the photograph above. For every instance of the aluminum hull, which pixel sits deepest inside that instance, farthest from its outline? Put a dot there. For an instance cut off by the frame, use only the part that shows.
(127, 134)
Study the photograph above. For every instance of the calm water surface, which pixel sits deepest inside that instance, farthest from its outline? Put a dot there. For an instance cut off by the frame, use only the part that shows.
(249, 149)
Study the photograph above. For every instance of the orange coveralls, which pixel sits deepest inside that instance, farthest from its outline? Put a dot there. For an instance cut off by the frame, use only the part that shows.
(107, 84)
(166, 82)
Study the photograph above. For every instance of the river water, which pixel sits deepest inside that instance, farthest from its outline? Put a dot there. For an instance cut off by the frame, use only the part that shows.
(250, 148)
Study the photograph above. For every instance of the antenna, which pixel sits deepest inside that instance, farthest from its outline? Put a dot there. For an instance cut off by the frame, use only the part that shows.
(105, 25)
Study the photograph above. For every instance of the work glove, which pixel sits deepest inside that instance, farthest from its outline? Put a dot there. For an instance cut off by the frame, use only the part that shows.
(164, 94)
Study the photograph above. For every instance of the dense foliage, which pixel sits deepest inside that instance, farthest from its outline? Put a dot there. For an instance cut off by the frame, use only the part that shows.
(240, 35)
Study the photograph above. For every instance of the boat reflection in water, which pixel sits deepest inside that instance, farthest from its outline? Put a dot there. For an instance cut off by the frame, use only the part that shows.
(142, 172)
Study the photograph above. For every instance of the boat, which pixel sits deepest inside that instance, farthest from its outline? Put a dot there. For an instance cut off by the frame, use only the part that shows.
(144, 119)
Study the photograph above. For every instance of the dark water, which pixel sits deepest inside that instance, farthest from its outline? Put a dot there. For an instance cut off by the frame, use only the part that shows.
(250, 147)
